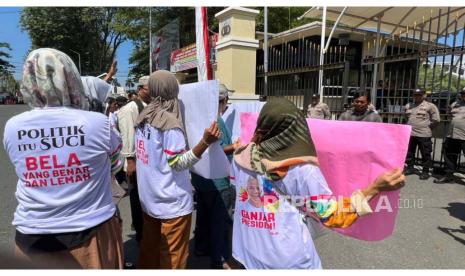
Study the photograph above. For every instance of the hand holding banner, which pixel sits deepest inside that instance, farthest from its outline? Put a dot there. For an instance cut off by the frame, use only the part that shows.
(199, 106)
(352, 155)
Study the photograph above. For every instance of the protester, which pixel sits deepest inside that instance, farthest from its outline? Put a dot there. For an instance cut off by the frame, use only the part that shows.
(455, 141)
(97, 91)
(361, 110)
(215, 200)
(112, 72)
(162, 169)
(283, 159)
(423, 116)
(121, 101)
(64, 156)
(132, 96)
(127, 117)
(317, 109)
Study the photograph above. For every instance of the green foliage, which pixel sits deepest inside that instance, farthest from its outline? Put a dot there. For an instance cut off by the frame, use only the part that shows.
(8, 83)
(97, 32)
(282, 18)
(138, 30)
(441, 80)
(7, 80)
(5, 65)
(92, 32)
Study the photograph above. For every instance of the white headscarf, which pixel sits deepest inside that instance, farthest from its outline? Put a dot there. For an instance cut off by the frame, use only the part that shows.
(97, 91)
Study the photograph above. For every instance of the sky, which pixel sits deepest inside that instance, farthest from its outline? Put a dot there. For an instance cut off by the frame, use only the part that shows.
(10, 32)
(19, 41)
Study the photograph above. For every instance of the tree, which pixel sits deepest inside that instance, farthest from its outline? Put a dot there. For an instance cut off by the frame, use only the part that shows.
(138, 30)
(5, 65)
(282, 18)
(7, 80)
(8, 83)
(92, 32)
(441, 80)
(129, 84)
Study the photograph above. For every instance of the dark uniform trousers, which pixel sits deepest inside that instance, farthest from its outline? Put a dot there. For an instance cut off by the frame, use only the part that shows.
(425, 145)
(452, 149)
(136, 208)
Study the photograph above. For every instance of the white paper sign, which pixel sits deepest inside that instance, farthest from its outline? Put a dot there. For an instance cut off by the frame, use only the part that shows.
(232, 116)
(199, 107)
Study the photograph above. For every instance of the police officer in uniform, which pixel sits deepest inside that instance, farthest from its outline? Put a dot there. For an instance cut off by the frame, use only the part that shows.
(423, 116)
(318, 110)
(455, 141)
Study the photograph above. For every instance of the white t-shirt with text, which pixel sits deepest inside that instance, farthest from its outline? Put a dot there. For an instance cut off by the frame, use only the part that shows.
(164, 193)
(273, 236)
(62, 159)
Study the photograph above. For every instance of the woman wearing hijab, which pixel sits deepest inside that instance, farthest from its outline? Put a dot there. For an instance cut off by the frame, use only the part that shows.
(282, 157)
(163, 178)
(97, 91)
(63, 156)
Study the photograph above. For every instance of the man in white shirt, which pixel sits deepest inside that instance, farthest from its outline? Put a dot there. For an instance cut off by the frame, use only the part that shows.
(127, 117)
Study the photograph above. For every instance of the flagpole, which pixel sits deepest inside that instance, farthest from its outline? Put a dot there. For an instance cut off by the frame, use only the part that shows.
(265, 51)
(150, 40)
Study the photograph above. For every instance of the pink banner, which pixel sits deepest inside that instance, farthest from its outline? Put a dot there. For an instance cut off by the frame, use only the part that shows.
(352, 155)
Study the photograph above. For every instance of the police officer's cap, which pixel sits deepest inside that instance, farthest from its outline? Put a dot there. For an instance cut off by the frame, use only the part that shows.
(419, 91)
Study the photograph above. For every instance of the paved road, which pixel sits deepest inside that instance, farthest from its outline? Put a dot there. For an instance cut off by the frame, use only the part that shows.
(430, 230)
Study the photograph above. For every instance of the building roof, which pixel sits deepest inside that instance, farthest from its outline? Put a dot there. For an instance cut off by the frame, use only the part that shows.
(396, 20)
(314, 29)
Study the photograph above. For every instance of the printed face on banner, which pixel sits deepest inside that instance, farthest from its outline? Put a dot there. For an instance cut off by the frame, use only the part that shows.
(259, 204)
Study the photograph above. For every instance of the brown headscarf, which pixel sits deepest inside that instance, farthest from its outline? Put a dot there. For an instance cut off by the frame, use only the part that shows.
(282, 139)
(163, 112)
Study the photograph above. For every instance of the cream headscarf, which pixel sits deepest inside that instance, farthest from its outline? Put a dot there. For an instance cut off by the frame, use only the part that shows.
(51, 79)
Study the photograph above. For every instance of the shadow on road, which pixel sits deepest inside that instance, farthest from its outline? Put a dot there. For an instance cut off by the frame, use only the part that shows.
(456, 210)
(451, 232)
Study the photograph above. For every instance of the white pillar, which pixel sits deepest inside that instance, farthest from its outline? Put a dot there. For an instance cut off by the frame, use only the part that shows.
(375, 69)
(322, 54)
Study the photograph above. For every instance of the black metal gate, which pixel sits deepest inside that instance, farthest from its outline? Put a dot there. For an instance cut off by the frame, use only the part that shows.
(293, 71)
(429, 58)
(423, 55)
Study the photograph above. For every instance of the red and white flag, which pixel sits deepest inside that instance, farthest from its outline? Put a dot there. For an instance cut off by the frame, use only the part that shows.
(203, 47)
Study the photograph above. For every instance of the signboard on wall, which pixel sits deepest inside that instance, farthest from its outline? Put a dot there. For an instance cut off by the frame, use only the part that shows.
(186, 58)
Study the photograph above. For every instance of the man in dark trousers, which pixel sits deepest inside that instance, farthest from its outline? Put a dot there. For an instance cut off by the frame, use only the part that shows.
(423, 116)
(455, 141)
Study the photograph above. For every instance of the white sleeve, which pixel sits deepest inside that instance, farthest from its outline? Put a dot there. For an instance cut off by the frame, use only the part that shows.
(174, 147)
(126, 124)
(307, 180)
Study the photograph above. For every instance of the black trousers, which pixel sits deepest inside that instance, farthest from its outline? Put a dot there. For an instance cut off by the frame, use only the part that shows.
(213, 227)
(452, 149)
(136, 208)
(426, 147)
